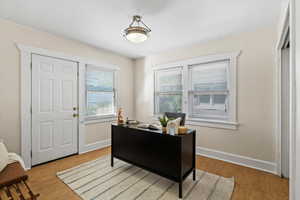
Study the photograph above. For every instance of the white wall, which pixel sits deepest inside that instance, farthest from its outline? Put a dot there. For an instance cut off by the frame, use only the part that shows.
(256, 66)
(12, 33)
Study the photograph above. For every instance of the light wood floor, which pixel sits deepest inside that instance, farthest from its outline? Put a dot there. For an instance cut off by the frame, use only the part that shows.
(250, 184)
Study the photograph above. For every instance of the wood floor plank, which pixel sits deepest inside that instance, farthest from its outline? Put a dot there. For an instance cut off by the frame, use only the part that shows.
(251, 184)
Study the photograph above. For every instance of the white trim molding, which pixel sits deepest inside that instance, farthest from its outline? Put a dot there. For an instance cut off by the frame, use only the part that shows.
(284, 26)
(101, 120)
(213, 124)
(237, 159)
(219, 155)
(201, 59)
(81, 110)
(46, 52)
(26, 108)
(230, 121)
(25, 55)
(97, 145)
(295, 104)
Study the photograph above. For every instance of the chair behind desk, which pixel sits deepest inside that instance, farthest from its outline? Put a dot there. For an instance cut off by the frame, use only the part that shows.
(176, 115)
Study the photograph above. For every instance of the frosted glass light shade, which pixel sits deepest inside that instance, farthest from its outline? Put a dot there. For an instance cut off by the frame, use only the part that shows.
(136, 37)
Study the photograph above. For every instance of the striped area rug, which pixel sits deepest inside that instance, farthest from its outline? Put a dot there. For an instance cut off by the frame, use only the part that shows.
(98, 180)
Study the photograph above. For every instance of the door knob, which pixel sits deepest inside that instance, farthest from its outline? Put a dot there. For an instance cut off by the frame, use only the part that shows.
(75, 115)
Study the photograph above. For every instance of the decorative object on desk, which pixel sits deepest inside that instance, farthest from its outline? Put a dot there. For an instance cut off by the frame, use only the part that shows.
(153, 127)
(143, 126)
(182, 130)
(173, 125)
(164, 122)
(132, 122)
(120, 116)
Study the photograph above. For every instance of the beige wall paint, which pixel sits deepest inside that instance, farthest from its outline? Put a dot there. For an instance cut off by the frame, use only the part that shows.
(94, 132)
(256, 65)
(12, 33)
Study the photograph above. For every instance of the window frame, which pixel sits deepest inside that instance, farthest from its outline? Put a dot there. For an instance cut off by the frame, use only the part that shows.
(213, 113)
(157, 93)
(105, 117)
(231, 121)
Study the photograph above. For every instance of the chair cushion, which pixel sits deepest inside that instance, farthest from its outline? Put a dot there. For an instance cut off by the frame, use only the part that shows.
(3, 156)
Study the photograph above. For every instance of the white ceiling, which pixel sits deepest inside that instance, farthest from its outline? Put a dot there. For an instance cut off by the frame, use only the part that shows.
(174, 23)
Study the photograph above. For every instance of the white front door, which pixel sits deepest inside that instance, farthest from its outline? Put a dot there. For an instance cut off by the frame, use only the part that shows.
(54, 108)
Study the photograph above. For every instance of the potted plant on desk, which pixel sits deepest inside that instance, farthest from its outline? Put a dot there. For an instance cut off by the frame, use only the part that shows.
(164, 122)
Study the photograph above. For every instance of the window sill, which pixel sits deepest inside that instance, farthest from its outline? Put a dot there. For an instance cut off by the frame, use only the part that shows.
(207, 123)
(99, 119)
(213, 123)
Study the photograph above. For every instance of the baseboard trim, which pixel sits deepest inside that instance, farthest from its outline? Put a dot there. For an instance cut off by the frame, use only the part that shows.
(219, 155)
(237, 159)
(96, 145)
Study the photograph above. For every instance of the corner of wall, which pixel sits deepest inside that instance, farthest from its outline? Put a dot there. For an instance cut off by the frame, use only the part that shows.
(134, 63)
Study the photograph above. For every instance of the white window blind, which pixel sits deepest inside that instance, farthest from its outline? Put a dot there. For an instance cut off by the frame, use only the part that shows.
(208, 94)
(100, 91)
(204, 88)
(168, 90)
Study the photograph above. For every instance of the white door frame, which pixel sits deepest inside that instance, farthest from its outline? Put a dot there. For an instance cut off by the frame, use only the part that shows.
(289, 13)
(283, 31)
(25, 62)
(295, 86)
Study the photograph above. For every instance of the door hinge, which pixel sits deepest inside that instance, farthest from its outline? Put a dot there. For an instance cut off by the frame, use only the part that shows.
(31, 154)
(31, 109)
(31, 65)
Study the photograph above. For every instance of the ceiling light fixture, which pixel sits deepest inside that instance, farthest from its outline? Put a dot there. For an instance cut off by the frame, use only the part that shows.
(137, 31)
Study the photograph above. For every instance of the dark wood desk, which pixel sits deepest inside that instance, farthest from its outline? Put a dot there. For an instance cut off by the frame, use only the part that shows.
(170, 156)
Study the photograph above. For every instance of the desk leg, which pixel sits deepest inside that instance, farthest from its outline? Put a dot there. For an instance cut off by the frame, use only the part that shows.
(112, 161)
(180, 190)
(194, 174)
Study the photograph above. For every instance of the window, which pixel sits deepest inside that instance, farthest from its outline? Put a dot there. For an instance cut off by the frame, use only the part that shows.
(168, 90)
(100, 92)
(203, 88)
(208, 93)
